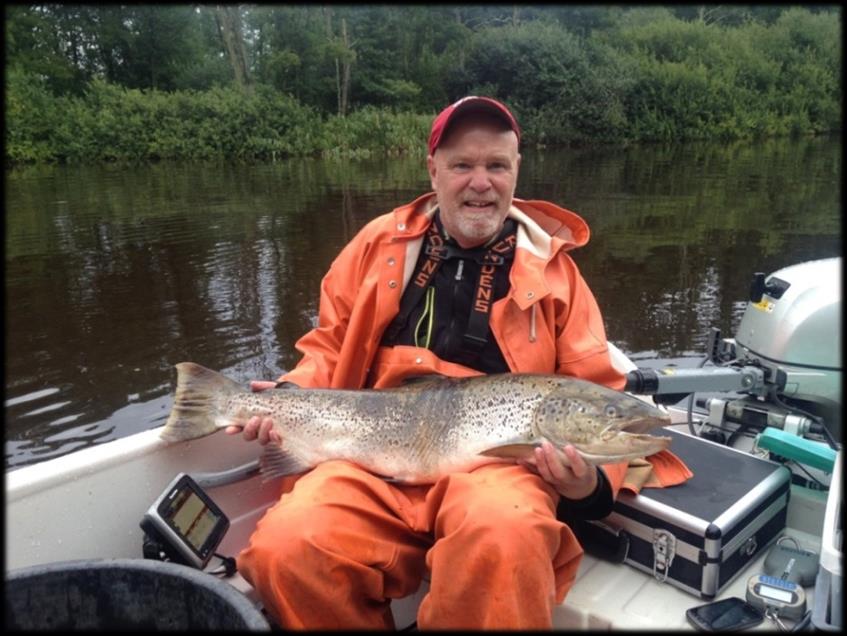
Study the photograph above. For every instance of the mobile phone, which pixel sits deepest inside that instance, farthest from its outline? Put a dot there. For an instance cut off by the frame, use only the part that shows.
(728, 614)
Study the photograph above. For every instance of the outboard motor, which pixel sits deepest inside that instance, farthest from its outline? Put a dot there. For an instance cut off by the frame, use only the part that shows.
(785, 361)
(792, 327)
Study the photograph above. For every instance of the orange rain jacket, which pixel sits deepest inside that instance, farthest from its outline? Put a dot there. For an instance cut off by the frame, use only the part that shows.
(342, 541)
(549, 321)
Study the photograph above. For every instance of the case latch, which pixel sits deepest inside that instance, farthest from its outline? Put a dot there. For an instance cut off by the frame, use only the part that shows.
(664, 549)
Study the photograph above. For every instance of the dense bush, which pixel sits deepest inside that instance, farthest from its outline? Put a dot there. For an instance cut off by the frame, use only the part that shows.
(111, 123)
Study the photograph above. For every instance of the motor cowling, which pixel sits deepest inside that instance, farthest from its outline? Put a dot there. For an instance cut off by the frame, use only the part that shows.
(792, 325)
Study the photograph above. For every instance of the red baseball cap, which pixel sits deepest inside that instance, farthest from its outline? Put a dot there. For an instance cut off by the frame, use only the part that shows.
(466, 105)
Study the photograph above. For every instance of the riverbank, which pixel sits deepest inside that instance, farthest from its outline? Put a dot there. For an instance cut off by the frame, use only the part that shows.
(648, 76)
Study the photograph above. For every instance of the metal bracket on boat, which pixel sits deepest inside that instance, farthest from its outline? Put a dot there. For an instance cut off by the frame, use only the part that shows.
(664, 549)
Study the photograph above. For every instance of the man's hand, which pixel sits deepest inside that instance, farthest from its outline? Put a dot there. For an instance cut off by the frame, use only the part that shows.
(256, 426)
(564, 469)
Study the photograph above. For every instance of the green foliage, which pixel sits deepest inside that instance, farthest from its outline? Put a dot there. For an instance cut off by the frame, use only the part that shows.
(562, 88)
(111, 123)
(701, 80)
(371, 130)
(31, 114)
(138, 83)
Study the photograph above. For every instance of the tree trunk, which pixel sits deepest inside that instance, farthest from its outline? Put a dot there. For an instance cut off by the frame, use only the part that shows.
(228, 19)
(345, 79)
(343, 63)
(329, 36)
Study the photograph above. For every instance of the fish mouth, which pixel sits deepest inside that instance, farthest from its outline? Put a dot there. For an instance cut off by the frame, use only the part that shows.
(647, 423)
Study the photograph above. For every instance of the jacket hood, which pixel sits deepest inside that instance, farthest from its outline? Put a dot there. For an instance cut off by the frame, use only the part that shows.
(544, 227)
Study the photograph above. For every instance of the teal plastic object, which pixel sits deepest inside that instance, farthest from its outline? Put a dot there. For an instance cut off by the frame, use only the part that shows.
(805, 451)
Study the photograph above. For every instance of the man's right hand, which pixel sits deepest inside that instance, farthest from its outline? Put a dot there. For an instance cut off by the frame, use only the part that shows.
(257, 427)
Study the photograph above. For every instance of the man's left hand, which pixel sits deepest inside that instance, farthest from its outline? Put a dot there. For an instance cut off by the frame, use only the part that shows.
(564, 469)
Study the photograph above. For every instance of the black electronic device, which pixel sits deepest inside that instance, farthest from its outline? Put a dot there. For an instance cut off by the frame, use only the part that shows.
(729, 614)
(187, 523)
(792, 564)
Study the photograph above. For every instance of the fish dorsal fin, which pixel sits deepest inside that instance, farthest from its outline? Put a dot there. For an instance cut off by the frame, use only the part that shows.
(420, 380)
(277, 462)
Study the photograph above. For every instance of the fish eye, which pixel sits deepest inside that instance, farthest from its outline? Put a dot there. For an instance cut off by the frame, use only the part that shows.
(611, 411)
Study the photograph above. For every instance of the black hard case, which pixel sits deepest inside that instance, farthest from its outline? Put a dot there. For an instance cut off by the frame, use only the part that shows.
(708, 528)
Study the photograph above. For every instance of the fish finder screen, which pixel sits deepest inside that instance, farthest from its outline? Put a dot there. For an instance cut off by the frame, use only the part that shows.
(191, 517)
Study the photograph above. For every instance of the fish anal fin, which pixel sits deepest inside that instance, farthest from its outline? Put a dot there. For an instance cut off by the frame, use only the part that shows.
(278, 462)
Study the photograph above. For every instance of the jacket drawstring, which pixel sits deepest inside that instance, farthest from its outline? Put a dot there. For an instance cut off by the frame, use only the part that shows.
(532, 333)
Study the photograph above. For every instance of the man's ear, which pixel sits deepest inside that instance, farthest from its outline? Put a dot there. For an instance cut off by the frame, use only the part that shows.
(430, 166)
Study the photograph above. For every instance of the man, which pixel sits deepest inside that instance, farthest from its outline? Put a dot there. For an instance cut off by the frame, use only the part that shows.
(462, 281)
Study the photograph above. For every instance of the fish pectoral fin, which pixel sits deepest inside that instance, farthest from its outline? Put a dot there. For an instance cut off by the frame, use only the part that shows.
(513, 450)
(608, 447)
(277, 462)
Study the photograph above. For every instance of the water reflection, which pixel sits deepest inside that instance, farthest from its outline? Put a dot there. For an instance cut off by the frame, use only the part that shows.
(114, 275)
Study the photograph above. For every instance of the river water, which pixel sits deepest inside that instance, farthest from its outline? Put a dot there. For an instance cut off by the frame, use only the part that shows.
(114, 274)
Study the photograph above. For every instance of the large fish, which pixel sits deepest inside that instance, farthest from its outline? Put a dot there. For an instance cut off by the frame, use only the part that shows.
(425, 429)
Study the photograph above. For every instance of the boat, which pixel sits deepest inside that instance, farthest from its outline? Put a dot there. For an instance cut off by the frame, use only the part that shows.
(85, 508)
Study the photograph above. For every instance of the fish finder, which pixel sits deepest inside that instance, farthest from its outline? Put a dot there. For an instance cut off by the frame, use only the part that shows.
(186, 522)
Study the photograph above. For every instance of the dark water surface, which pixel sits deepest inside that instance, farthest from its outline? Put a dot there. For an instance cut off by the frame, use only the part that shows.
(113, 275)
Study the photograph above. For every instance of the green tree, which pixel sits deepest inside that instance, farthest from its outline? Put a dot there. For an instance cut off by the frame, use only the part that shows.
(159, 44)
(49, 41)
(563, 88)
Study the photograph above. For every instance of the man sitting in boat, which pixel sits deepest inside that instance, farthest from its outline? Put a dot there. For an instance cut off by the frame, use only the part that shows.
(461, 281)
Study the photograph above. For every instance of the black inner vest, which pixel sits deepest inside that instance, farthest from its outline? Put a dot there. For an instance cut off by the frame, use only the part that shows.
(466, 283)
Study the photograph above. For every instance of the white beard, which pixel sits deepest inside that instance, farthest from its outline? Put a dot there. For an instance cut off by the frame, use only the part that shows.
(477, 228)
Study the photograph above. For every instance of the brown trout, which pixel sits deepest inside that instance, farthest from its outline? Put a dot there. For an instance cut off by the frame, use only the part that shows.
(423, 430)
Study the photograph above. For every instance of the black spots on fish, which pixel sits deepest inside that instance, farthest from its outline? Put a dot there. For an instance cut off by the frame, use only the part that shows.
(556, 408)
(497, 401)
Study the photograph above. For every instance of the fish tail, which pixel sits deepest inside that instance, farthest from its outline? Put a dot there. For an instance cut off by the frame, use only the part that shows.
(195, 410)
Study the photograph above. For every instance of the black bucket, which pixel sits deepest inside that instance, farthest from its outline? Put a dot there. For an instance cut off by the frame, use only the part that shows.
(125, 594)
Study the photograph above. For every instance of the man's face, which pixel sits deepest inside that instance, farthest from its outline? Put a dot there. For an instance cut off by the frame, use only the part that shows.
(474, 173)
